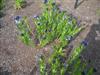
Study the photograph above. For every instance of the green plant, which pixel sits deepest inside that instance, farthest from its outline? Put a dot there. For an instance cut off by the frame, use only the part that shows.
(19, 4)
(55, 64)
(42, 66)
(55, 24)
(1, 4)
(79, 67)
(59, 65)
(25, 30)
(1, 7)
(75, 53)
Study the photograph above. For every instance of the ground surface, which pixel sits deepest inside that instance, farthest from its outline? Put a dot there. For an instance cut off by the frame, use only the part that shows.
(19, 59)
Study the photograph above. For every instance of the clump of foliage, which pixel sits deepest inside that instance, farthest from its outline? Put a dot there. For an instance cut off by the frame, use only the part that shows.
(59, 64)
(25, 30)
(1, 7)
(20, 3)
(1, 4)
(55, 24)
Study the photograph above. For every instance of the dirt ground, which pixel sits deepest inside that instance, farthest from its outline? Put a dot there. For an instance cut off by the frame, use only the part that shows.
(19, 59)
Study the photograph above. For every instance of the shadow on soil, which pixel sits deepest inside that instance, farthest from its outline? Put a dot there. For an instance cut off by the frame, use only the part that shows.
(4, 72)
(33, 72)
(92, 52)
(78, 3)
(1, 23)
(2, 14)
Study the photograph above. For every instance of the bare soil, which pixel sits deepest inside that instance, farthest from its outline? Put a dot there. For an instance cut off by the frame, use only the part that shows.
(18, 59)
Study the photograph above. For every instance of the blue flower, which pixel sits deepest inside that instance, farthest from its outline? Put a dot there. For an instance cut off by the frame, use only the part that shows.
(17, 19)
(62, 59)
(70, 19)
(60, 8)
(65, 65)
(54, 9)
(74, 17)
(78, 23)
(84, 42)
(36, 16)
(69, 38)
(64, 17)
(70, 47)
(45, 1)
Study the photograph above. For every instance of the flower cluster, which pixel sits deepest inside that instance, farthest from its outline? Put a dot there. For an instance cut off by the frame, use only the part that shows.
(84, 42)
(18, 20)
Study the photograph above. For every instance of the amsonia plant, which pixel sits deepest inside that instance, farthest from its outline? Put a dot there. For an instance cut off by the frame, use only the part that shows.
(60, 65)
(55, 24)
(24, 29)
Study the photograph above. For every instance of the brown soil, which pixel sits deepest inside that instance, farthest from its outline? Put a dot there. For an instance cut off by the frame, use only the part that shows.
(18, 59)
